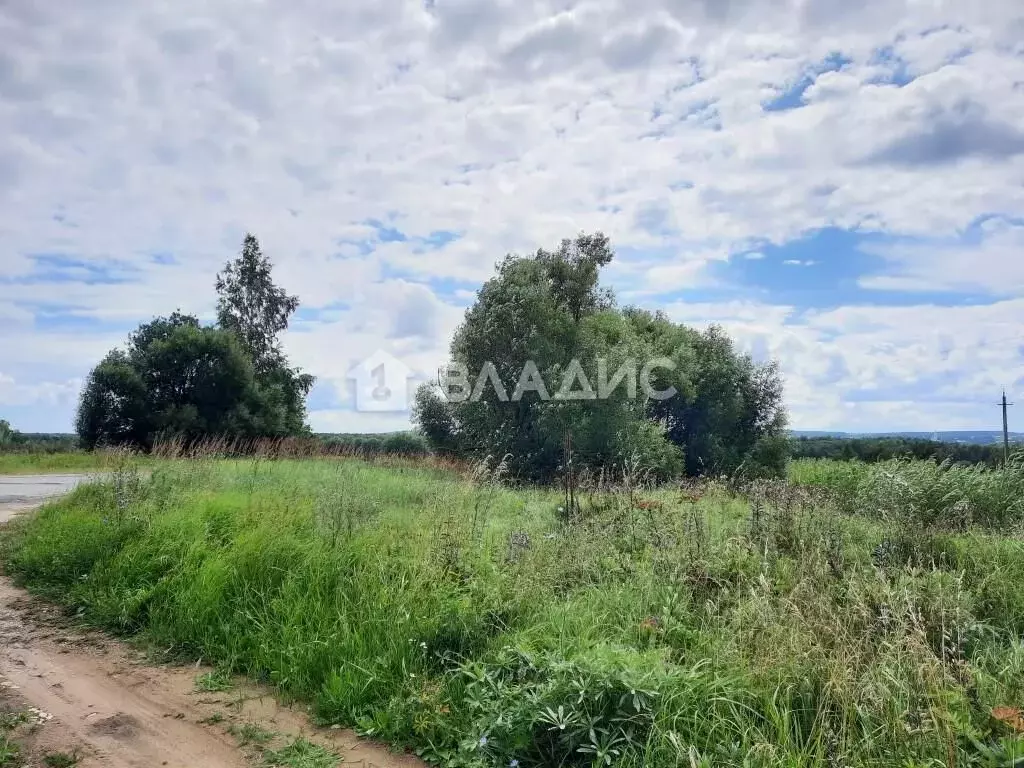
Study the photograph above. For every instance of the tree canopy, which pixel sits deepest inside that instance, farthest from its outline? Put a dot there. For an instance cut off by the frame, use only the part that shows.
(178, 378)
(539, 354)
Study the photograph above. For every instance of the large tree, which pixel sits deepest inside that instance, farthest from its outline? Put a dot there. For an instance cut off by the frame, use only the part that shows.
(178, 378)
(175, 378)
(548, 310)
(255, 309)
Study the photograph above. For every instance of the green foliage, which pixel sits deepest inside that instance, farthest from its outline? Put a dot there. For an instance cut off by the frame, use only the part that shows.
(211, 682)
(37, 461)
(302, 753)
(14, 442)
(251, 733)
(252, 307)
(548, 310)
(9, 752)
(727, 403)
(767, 458)
(435, 420)
(175, 378)
(256, 311)
(60, 759)
(7, 434)
(179, 380)
(477, 625)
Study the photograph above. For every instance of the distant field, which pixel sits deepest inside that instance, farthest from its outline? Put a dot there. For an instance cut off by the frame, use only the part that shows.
(32, 463)
(476, 624)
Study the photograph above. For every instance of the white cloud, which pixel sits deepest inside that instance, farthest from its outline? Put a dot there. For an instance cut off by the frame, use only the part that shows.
(137, 131)
(881, 368)
(15, 393)
(992, 265)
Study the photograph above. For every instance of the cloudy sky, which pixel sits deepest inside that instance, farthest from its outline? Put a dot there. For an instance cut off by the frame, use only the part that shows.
(840, 184)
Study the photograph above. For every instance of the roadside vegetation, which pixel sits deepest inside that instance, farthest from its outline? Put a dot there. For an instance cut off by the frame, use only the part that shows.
(702, 623)
(931, 495)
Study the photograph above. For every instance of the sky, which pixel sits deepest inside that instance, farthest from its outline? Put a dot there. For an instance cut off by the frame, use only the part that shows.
(839, 184)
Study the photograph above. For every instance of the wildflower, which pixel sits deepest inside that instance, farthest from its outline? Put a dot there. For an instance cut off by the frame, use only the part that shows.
(423, 646)
(513, 763)
(483, 740)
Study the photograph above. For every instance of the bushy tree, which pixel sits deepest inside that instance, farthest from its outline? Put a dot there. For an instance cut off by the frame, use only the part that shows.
(7, 434)
(112, 406)
(726, 403)
(178, 379)
(549, 311)
(436, 421)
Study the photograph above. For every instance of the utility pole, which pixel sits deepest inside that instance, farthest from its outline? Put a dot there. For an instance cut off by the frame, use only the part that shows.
(1006, 431)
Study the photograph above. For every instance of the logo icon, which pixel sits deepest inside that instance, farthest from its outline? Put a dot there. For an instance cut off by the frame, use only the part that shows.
(381, 384)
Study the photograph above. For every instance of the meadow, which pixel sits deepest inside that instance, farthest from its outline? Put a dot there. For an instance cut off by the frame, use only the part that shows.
(854, 616)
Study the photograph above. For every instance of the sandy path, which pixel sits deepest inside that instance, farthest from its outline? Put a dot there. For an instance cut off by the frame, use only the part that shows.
(113, 707)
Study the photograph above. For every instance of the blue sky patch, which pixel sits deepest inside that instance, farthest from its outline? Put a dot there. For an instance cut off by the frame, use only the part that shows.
(794, 96)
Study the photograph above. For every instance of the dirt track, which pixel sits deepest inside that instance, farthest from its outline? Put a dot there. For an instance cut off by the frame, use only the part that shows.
(111, 706)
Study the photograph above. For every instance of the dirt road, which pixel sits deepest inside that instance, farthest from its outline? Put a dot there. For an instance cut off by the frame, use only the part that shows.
(96, 699)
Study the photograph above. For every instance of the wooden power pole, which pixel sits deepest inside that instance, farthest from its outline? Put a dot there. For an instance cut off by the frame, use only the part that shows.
(1006, 431)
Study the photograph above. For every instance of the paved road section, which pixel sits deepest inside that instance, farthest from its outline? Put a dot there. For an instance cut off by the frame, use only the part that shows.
(21, 492)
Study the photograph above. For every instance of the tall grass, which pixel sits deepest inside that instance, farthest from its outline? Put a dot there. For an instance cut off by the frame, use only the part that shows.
(483, 626)
(927, 493)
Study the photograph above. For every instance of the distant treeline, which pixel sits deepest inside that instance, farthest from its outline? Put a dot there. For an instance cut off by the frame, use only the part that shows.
(873, 449)
(13, 441)
(388, 444)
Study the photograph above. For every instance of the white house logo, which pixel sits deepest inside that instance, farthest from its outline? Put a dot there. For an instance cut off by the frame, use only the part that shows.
(381, 384)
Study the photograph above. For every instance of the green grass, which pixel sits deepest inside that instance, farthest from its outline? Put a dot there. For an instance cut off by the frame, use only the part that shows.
(60, 760)
(251, 734)
(212, 682)
(10, 751)
(471, 623)
(31, 463)
(928, 493)
(302, 753)
(77, 461)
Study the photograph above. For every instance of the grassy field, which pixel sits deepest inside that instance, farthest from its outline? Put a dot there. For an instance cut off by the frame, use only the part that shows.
(43, 462)
(484, 626)
(35, 463)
